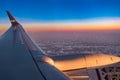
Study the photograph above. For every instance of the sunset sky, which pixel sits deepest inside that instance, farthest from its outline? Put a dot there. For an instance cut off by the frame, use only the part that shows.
(63, 14)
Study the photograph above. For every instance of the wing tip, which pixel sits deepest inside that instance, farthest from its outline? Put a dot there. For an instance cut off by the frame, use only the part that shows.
(12, 19)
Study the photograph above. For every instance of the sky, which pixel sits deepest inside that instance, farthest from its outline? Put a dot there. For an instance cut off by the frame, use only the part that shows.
(60, 14)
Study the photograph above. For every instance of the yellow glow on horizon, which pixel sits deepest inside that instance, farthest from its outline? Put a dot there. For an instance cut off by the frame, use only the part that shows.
(76, 25)
(72, 28)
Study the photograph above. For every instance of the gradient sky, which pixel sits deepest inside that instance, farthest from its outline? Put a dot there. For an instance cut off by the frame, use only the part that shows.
(58, 12)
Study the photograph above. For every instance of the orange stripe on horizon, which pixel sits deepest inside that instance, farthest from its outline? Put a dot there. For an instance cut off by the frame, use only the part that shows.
(64, 28)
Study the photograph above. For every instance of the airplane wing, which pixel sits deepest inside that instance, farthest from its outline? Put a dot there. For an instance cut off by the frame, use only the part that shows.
(88, 66)
(22, 59)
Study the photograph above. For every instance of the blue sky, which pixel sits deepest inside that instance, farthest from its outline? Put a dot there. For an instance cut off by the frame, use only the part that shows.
(63, 10)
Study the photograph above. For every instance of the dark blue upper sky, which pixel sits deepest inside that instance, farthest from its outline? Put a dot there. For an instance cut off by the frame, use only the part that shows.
(60, 9)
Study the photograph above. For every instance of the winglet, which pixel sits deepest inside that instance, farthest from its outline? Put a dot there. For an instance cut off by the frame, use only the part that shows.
(12, 19)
